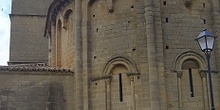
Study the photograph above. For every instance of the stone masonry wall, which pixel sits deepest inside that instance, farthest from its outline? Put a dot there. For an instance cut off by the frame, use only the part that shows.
(115, 34)
(150, 40)
(66, 39)
(27, 27)
(182, 21)
(27, 42)
(36, 91)
(181, 25)
(33, 7)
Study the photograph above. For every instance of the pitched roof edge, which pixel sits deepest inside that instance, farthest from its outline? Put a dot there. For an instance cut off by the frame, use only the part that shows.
(34, 69)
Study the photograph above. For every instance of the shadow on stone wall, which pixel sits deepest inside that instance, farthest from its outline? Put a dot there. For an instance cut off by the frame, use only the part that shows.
(32, 96)
(56, 99)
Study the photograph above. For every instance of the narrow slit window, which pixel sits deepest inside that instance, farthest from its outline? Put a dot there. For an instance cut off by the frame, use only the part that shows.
(166, 20)
(203, 4)
(204, 21)
(191, 83)
(164, 3)
(120, 88)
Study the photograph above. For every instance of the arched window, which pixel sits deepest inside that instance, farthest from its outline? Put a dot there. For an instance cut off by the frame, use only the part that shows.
(191, 83)
(120, 82)
(68, 40)
(190, 68)
(190, 63)
(120, 90)
(68, 19)
(58, 47)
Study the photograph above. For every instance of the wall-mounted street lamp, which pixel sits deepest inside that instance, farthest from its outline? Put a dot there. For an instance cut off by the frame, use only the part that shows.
(206, 42)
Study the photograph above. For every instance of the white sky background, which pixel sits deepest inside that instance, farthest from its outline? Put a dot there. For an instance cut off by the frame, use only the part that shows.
(5, 10)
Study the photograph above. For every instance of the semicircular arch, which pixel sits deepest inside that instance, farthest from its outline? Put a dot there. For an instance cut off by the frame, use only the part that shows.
(131, 67)
(188, 55)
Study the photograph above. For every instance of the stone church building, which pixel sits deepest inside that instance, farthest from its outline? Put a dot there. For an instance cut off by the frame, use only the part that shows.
(110, 55)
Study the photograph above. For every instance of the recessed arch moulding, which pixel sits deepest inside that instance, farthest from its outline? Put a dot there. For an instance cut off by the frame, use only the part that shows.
(131, 67)
(188, 55)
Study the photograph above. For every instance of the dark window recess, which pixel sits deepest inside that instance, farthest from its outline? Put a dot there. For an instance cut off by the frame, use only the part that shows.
(132, 6)
(97, 30)
(167, 47)
(166, 20)
(204, 21)
(203, 4)
(134, 49)
(93, 15)
(120, 88)
(191, 83)
(164, 3)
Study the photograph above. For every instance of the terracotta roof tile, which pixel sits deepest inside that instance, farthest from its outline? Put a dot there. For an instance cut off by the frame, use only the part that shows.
(26, 68)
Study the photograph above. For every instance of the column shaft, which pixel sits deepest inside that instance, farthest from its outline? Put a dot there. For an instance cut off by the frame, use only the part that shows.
(78, 56)
(151, 47)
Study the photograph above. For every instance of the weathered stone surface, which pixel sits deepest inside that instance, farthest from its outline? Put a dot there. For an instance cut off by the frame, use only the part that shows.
(27, 44)
(125, 54)
(35, 90)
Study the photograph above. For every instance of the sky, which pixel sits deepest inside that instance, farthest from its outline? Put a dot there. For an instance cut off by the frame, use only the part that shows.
(5, 10)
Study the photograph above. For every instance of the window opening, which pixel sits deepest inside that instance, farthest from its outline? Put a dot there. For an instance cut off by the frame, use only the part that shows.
(120, 88)
(164, 3)
(204, 21)
(191, 83)
(166, 20)
(203, 4)
(97, 30)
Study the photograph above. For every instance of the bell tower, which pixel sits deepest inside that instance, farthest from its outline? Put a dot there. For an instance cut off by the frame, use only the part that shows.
(27, 43)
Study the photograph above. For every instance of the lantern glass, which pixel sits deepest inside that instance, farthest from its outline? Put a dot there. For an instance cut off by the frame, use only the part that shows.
(210, 42)
(202, 43)
(206, 40)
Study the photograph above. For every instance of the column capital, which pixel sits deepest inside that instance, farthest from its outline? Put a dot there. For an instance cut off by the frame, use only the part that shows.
(131, 75)
(108, 81)
(203, 73)
(179, 74)
(131, 78)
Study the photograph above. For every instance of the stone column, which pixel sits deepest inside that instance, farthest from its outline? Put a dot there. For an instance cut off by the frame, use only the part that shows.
(152, 60)
(203, 75)
(133, 92)
(108, 94)
(78, 55)
(56, 47)
(179, 76)
(53, 46)
(215, 28)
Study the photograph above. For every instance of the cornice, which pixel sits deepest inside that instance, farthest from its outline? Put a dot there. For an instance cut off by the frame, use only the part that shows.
(34, 69)
(26, 15)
